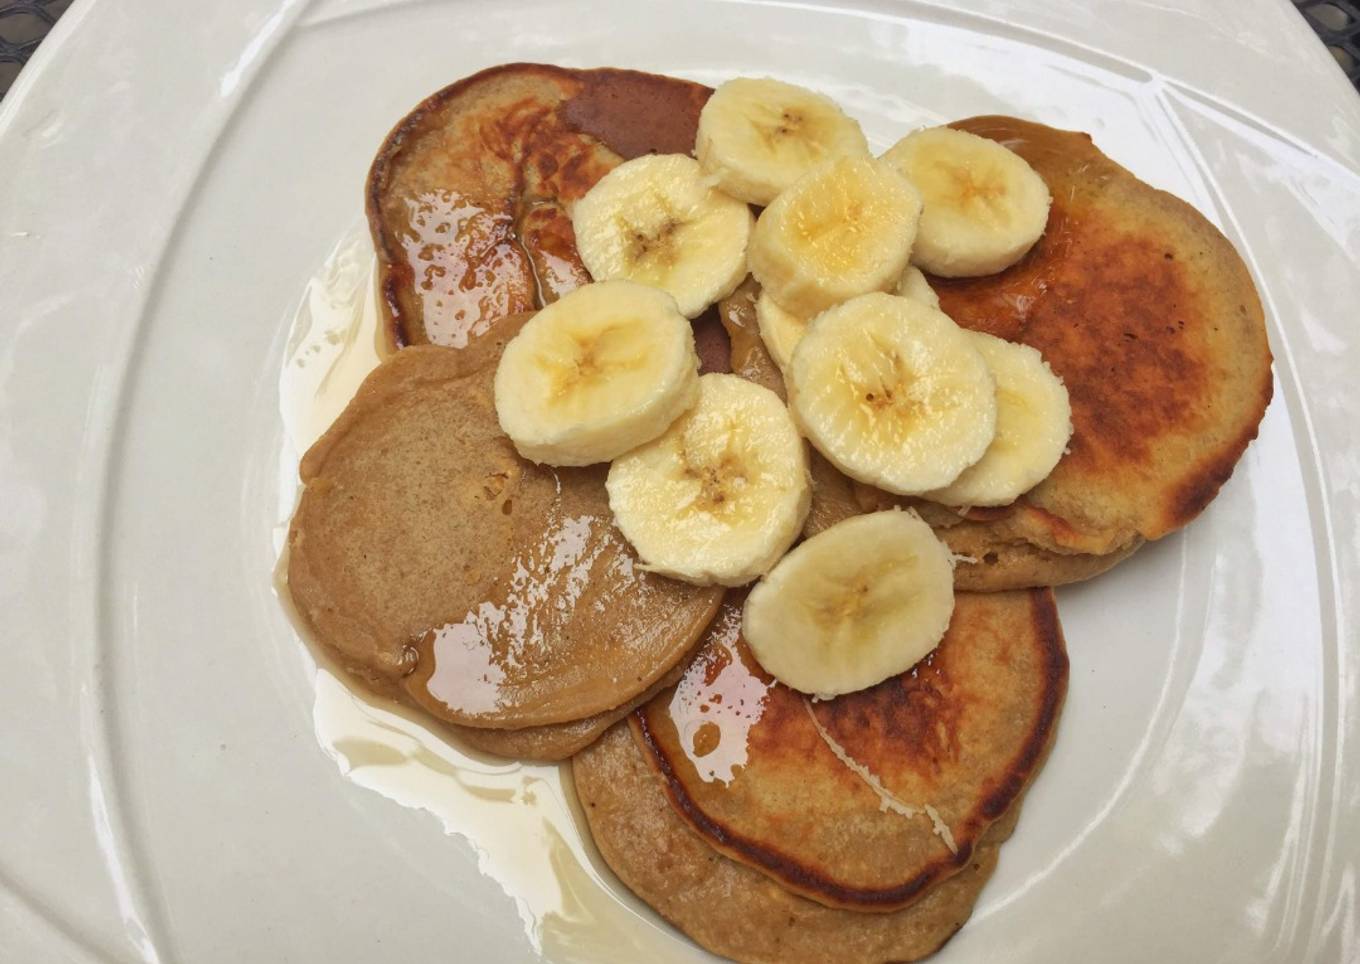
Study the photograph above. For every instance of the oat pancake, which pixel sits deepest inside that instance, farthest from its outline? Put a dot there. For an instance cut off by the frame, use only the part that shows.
(866, 801)
(468, 196)
(737, 912)
(1151, 318)
(434, 563)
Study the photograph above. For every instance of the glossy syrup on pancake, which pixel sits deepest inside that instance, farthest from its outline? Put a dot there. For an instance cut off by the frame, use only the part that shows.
(738, 912)
(868, 800)
(468, 199)
(519, 817)
(442, 568)
(336, 338)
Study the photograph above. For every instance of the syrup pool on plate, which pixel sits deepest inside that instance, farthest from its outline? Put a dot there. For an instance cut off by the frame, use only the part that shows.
(520, 818)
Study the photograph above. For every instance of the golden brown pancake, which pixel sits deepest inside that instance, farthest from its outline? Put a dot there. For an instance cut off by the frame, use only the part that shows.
(1151, 318)
(468, 197)
(436, 564)
(868, 800)
(737, 912)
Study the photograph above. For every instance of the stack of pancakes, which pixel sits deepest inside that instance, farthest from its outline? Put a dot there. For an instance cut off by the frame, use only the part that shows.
(444, 571)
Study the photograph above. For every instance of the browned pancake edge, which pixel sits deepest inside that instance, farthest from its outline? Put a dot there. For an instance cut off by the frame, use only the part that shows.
(735, 911)
(1007, 787)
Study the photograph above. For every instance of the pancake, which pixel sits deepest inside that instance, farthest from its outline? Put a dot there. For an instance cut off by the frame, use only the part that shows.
(737, 912)
(1149, 315)
(867, 801)
(442, 569)
(468, 196)
(1151, 319)
(991, 558)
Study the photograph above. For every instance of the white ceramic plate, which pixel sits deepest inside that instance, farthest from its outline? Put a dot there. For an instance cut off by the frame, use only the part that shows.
(179, 783)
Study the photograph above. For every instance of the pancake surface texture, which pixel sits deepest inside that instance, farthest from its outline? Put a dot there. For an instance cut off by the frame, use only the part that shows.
(436, 564)
(867, 800)
(469, 196)
(737, 912)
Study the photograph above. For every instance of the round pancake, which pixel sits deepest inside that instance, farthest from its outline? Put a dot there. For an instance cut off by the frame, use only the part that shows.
(868, 800)
(443, 569)
(737, 912)
(1151, 318)
(468, 198)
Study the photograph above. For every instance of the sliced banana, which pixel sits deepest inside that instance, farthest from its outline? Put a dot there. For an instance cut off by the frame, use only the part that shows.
(913, 284)
(1033, 425)
(782, 330)
(757, 136)
(658, 221)
(722, 494)
(843, 229)
(984, 205)
(893, 393)
(855, 604)
(596, 373)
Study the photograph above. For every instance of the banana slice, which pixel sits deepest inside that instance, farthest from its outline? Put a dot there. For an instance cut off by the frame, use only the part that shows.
(893, 393)
(722, 494)
(658, 221)
(984, 205)
(843, 229)
(1033, 424)
(757, 136)
(913, 284)
(855, 604)
(596, 373)
(782, 330)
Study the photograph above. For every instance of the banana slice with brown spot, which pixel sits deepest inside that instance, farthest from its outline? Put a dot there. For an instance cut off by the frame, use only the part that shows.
(720, 496)
(843, 229)
(598, 372)
(658, 221)
(855, 604)
(984, 206)
(893, 393)
(758, 135)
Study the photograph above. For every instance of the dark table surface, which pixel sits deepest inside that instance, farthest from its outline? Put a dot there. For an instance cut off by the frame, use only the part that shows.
(24, 23)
